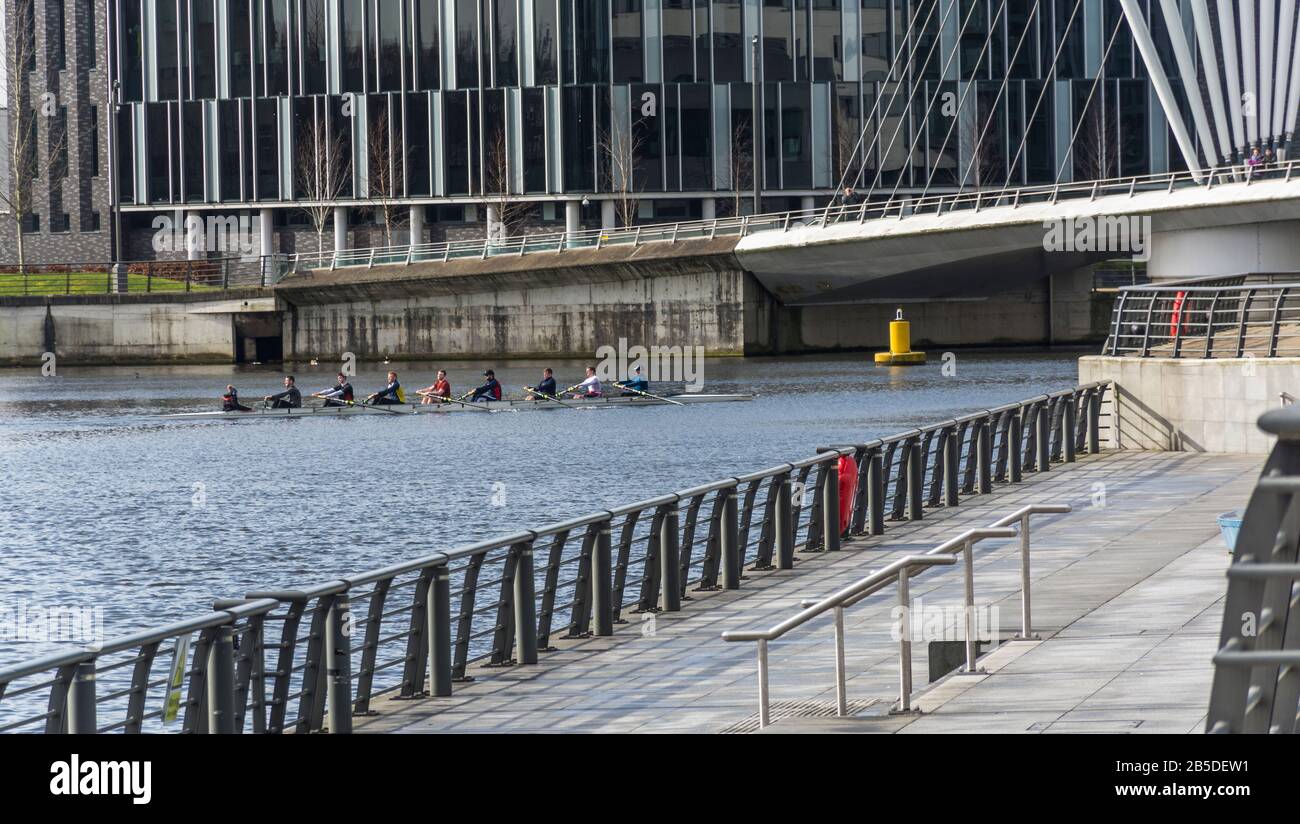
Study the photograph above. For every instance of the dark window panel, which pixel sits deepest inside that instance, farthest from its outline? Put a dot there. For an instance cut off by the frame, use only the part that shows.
(389, 37)
(678, 41)
(467, 44)
(696, 137)
(877, 56)
(778, 40)
(546, 66)
(203, 47)
(277, 47)
(591, 33)
(534, 138)
(192, 144)
(241, 39)
(1135, 157)
(167, 52)
(418, 182)
(627, 28)
(703, 52)
(796, 135)
(267, 150)
(827, 34)
(315, 46)
(132, 55)
(505, 23)
(157, 160)
(455, 136)
(579, 138)
(429, 66)
(352, 39)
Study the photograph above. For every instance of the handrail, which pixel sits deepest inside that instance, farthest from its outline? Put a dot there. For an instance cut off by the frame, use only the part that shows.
(745, 225)
(1206, 320)
(501, 600)
(901, 571)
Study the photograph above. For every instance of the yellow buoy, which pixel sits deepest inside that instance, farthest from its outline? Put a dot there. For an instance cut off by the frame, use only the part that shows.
(900, 345)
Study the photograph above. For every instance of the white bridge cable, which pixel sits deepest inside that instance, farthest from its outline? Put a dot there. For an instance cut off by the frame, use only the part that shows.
(916, 84)
(1205, 40)
(973, 83)
(1267, 31)
(1246, 30)
(1187, 71)
(1281, 126)
(1293, 100)
(868, 120)
(1228, 39)
(1087, 104)
(1006, 82)
(1047, 83)
(1160, 81)
(920, 83)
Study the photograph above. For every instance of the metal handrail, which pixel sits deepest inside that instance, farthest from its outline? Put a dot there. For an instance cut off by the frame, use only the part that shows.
(745, 225)
(1206, 320)
(902, 571)
(420, 624)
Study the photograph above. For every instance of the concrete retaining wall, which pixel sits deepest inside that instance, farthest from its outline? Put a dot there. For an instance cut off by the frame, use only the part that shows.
(1192, 405)
(124, 329)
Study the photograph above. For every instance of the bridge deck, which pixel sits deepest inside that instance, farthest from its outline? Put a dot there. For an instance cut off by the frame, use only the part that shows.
(1135, 578)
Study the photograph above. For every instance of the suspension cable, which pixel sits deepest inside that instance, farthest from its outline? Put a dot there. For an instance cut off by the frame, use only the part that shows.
(1101, 73)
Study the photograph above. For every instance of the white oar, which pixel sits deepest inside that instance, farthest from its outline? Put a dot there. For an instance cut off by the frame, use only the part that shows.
(646, 394)
(441, 399)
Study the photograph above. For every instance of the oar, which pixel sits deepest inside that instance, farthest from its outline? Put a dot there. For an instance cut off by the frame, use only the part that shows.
(647, 394)
(549, 397)
(367, 406)
(424, 394)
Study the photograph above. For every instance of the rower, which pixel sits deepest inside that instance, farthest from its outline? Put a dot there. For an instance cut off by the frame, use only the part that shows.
(489, 391)
(230, 401)
(290, 398)
(590, 386)
(391, 394)
(340, 395)
(636, 382)
(440, 389)
(544, 389)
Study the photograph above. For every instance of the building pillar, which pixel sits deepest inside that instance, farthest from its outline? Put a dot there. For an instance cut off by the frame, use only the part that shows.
(495, 231)
(709, 208)
(417, 225)
(340, 228)
(573, 216)
(607, 220)
(266, 232)
(808, 204)
(195, 236)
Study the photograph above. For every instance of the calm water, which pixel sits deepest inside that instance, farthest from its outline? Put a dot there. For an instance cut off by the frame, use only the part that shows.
(103, 504)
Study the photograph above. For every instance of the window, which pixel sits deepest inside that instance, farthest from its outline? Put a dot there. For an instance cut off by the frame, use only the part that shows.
(240, 25)
(629, 62)
(507, 67)
(228, 143)
(352, 42)
(58, 25)
(168, 52)
(546, 65)
(267, 150)
(132, 53)
(778, 48)
(456, 151)
(87, 32)
(576, 107)
(94, 141)
(192, 144)
(203, 32)
(796, 135)
(679, 50)
(696, 129)
(467, 30)
(591, 32)
(427, 28)
(277, 47)
(534, 139)
(417, 144)
(728, 42)
(390, 47)
(315, 46)
(827, 51)
(157, 159)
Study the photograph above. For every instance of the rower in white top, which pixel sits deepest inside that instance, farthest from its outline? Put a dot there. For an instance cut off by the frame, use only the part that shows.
(590, 387)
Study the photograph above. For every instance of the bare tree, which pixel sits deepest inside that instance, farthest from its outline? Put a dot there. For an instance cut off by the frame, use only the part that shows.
(497, 188)
(23, 149)
(322, 168)
(846, 159)
(1094, 155)
(619, 151)
(741, 167)
(385, 169)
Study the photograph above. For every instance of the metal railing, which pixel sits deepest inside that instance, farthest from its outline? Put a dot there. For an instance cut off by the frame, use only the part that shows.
(416, 628)
(1206, 321)
(142, 277)
(900, 572)
(897, 207)
(1256, 685)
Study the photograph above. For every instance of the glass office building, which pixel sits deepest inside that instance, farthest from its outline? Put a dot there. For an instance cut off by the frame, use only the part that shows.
(447, 104)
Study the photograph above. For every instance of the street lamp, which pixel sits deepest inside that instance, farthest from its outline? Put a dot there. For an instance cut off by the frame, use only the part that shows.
(115, 196)
(756, 125)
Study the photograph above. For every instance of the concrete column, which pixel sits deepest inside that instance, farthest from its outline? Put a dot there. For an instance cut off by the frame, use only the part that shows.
(573, 216)
(495, 231)
(340, 228)
(417, 225)
(709, 208)
(607, 220)
(807, 204)
(195, 236)
(266, 232)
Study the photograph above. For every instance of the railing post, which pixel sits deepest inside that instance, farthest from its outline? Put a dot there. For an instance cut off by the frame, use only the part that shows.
(764, 716)
(904, 641)
(221, 682)
(1094, 421)
(525, 608)
(1042, 437)
(439, 618)
(601, 586)
(81, 700)
(915, 481)
(876, 493)
(338, 666)
(670, 589)
(951, 467)
(831, 505)
(1026, 621)
(1015, 452)
(984, 456)
(784, 524)
(841, 699)
(1068, 430)
(968, 559)
(730, 540)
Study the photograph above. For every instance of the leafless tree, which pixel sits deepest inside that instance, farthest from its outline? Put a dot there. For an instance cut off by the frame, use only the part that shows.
(23, 149)
(322, 168)
(847, 153)
(1094, 155)
(619, 151)
(741, 167)
(498, 189)
(385, 169)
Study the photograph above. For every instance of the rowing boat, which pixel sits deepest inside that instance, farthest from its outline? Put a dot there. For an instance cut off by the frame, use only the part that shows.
(518, 405)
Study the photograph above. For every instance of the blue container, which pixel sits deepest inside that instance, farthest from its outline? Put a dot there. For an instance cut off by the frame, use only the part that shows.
(1230, 525)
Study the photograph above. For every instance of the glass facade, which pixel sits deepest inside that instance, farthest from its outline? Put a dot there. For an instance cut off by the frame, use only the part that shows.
(897, 95)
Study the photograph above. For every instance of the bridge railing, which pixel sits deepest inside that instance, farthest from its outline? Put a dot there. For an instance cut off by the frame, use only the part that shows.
(1213, 321)
(142, 277)
(311, 659)
(896, 207)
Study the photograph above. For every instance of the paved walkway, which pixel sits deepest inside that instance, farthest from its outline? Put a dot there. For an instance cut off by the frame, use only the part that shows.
(1127, 593)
